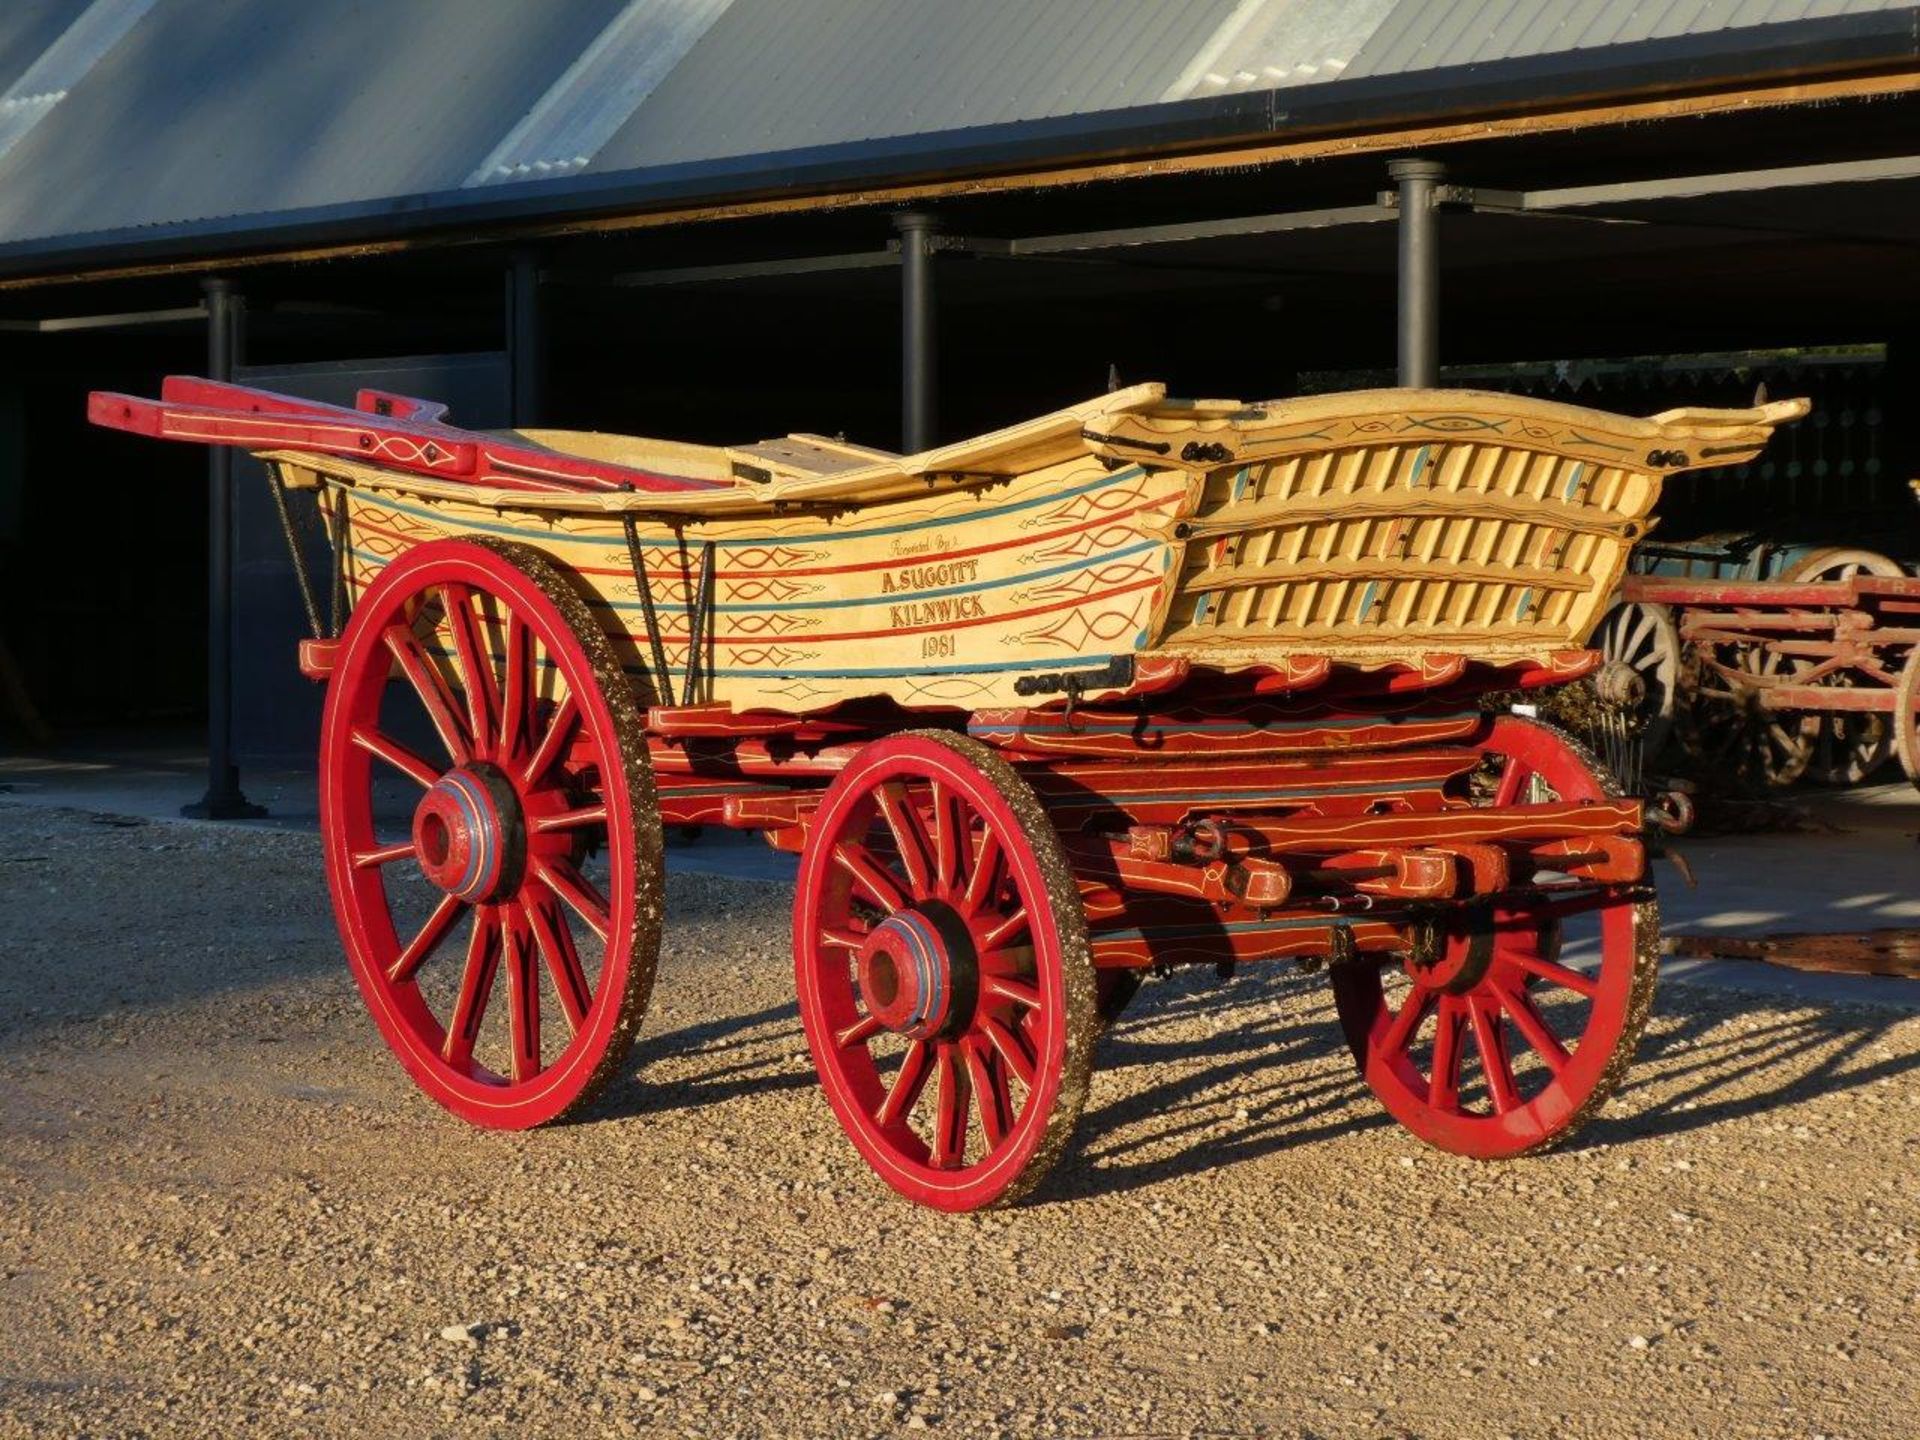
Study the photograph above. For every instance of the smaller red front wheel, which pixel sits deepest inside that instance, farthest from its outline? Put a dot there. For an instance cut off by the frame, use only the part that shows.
(1517, 1030)
(946, 984)
(491, 833)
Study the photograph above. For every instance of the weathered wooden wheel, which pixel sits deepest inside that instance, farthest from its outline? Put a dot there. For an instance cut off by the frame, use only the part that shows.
(1528, 1015)
(1906, 716)
(946, 985)
(1644, 638)
(471, 669)
(1839, 563)
(1727, 733)
(1845, 747)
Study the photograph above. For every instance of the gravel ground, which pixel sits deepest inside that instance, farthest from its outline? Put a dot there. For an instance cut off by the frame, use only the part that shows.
(225, 1211)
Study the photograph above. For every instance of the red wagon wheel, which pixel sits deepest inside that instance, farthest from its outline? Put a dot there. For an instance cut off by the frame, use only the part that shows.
(946, 984)
(484, 775)
(1513, 1037)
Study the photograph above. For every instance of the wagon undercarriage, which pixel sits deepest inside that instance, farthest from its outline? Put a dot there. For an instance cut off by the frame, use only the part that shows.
(974, 899)
(1141, 684)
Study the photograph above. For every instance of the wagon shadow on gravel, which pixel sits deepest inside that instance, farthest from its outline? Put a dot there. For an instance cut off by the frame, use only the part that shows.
(1800, 1050)
(1687, 1077)
(752, 1054)
(1279, 1056)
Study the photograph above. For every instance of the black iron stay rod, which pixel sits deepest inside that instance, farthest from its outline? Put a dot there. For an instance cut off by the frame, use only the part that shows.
(279, 492)
(662, 684)
(696, 624)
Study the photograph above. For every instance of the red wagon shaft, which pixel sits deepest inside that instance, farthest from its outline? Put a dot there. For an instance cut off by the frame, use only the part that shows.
(1138, 684)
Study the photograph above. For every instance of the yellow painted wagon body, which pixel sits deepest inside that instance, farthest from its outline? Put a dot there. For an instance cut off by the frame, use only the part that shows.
(1372, 528)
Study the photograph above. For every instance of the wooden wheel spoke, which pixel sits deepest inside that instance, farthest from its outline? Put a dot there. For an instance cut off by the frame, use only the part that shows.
(909, 835)
(562, 959)
(953, 1109)
(1513, 783)
(990, 1092)
(951, 839)
(844, 936)
(984, 878)
(396, 755)
(1443, 1086)
(571, 819)
(1005, 987)
(1011, 1047)
(1006, 930)
(858, 1033)
(476, 988)
(1533, 1028)
(1494, 1066)
(418, 949)
(915, 1066)
(517, 688)
(1406, 1023)
(581, 897)
(431, 689)
(1562, 975)
(523, 998)
(383, 855)
(476, 665)
(870, 876)
(553, 743)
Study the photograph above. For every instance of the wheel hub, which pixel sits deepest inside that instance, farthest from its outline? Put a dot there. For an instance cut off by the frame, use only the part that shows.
(918, 973)
(469, 834)
(1461, 959)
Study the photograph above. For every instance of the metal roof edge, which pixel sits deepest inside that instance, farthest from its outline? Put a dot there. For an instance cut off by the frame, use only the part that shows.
(1826, 46)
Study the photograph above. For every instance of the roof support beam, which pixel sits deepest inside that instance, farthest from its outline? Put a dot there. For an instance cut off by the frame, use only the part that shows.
(1419, 269)
(226, 338)
(919, 347)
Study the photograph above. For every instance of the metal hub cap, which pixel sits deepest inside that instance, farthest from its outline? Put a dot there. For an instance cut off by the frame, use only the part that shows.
(917, 972)
(468, 833)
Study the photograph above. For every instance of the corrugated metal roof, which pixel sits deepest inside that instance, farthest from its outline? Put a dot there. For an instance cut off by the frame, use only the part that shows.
(63, 64)
(1431, 34)
(225, 107)
(239, 113)
(27, 28)
(599, 92)
(779, 75)
(1266, 44)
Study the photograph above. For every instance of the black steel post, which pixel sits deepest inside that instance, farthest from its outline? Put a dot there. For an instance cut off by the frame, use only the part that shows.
(223, 800)
(919, 355)
(1419, 303)
(526, 341)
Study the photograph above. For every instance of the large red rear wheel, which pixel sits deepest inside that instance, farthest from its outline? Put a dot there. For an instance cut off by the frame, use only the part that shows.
(492, 840)
(946, 984)
(1528, 1016)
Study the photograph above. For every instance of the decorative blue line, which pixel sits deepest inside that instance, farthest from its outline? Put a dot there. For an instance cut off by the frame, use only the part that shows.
(480, 850)
(1419, 467)
(898, 598)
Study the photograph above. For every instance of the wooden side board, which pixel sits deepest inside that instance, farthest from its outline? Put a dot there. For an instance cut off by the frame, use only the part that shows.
(1370, 530)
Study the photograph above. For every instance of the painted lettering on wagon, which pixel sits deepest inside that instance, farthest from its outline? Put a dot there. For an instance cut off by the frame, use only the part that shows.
(946, 610)
(931, 577)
